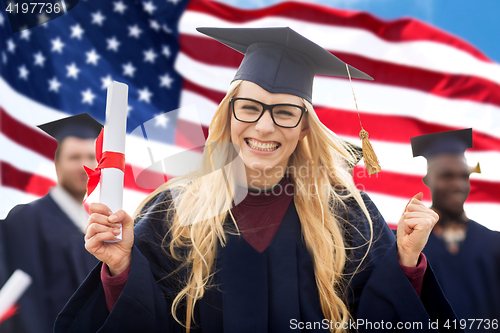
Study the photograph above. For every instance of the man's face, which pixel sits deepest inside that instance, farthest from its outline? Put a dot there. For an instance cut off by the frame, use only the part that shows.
(448, 179)
(73, 154)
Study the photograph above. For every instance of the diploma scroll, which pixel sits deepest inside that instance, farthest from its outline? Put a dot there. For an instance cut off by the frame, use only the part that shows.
(13, 289)
(111, 190)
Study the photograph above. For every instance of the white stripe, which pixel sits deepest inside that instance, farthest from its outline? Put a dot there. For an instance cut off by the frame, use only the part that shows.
(427, 55)
(25, 159)
(12, 197)
(27, 111)
(392, 207)
(371, 98)
(393, 157)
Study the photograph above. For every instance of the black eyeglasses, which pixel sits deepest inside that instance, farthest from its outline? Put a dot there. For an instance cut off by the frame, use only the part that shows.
(250, 111)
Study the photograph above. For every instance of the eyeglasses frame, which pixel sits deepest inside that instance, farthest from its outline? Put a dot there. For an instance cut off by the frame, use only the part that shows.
(269, 107)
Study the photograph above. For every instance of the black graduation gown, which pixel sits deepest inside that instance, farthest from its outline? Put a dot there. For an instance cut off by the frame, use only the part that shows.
(471, 278)
(40, 239)
(272, 291)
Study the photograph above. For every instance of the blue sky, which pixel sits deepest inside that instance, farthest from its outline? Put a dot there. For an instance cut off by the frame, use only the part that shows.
(476, 21)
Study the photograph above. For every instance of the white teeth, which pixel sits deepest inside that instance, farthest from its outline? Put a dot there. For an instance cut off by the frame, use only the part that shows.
(262, 146)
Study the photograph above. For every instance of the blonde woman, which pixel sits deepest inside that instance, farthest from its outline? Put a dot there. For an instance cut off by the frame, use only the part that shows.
(304, 250)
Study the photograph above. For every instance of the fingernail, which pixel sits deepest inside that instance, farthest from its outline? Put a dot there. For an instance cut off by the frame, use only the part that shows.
(113, 218)
(118, 225)
(116, 231)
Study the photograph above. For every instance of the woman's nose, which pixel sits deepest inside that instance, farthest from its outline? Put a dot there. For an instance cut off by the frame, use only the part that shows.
(265, 124)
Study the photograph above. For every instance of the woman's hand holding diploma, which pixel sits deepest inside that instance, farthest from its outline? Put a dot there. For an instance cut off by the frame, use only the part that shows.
(414, 228)
(104, 226)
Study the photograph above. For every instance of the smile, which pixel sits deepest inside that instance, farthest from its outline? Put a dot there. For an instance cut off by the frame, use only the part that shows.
(263, 146)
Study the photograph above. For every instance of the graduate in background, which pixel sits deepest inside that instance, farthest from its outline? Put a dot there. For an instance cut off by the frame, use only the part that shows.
(465, 255)
(44, 238)
(303, 250)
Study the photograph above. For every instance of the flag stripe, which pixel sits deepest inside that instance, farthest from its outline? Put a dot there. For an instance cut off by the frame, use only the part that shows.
(25, 181)
(441, 84)
(371, 97)
(395, 31)
(422, 54)
(389, 183)
(27, 136)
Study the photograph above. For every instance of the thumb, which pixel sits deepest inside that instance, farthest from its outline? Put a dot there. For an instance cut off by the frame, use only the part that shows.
(419, 196)
(122, 217)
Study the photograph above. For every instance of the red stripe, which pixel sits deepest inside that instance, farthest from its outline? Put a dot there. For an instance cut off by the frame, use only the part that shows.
(24, 181)
(184, 139)
(402, 185)
(391, 128)
(213, 95)
(401, 30)
(453, 86)
(26, 136)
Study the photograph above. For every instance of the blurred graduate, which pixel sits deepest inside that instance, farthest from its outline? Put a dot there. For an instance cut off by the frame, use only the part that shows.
(301, 249)
(44, 238)
(464, 254)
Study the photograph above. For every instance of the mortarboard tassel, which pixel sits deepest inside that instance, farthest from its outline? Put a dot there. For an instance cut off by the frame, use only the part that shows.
(476, 169)
(369, 156)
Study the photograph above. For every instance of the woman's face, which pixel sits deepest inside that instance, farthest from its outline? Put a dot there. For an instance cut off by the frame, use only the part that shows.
(264, 145)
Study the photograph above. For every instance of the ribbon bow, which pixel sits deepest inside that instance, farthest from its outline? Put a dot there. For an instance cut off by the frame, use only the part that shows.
(106, 160)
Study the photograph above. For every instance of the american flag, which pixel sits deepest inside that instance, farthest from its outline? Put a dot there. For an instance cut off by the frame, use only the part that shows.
(426, 81)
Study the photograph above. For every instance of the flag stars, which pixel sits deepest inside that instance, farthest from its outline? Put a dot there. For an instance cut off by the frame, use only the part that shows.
(98, 18)
(77, 31)
(119, 7)
(106, 81)
(39, 59)
(92, 57)
(11, 46)
(25, 34)
(23, 72)
(57, 45)
(2, 19)
(134, 31)
(175, 2)
(4, 57)
(129, 108)
(145, 95)
(88, 97)
(72, 71)
(54, 84)
(113, 44)
(150, 56)
(129, 69)
(161, 120)
(166, 29)
(149, 7)
(166, 51)
(166, 81)
(153, 24)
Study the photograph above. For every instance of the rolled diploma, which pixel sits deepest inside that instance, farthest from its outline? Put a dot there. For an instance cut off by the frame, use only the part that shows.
(13, 289)
(111, 190)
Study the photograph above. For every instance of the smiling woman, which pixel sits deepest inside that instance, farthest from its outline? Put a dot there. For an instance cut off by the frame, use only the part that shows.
(198, 261)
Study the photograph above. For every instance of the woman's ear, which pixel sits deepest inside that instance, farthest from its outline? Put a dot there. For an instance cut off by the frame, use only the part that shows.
(305, 129)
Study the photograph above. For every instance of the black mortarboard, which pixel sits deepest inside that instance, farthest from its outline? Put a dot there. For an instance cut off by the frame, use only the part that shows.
(82, 126)
(451, 142)
(280, 60)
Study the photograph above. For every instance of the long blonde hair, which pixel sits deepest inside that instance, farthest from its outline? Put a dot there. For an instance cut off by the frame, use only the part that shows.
(324, 157)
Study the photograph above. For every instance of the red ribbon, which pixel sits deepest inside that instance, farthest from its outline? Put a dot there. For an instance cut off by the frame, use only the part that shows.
(9, 313)
(106, 160)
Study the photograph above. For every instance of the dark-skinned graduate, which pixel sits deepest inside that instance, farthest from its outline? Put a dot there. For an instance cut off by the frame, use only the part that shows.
(45, 238)
(305, 250)
(464, 254)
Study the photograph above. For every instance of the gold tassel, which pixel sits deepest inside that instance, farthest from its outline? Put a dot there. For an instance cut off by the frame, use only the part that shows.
(371, 160)
(369, 156)
(476, 169)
